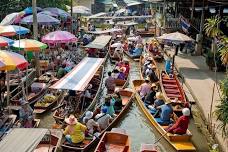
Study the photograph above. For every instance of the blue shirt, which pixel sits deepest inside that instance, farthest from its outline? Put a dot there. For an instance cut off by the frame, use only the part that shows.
(111, 110)
(166, 111)
(168, 66)
(137, 52)
(158, 102)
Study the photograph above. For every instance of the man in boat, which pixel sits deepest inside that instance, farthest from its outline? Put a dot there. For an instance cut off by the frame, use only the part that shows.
(145, 88)
(91, 124)
(181, 125)
(158, 102)
(168, 69)
(103, 118)
(150, 72)
(137, 52)
(75, 131)
(25, 114)
(110, 83)
(166, 112)
(150, 97)
(109, 104)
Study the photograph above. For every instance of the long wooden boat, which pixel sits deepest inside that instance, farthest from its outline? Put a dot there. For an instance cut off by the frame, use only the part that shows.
(96, 81)
(141, 65)
(7, 121)
(113, 142)
(172, 89)
(50, 142)
(178, 142)
(48, 101)
(88, 143)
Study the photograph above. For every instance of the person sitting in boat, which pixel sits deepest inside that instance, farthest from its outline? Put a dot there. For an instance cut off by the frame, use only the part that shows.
(166, 112)
(121, 74)
(137, 51)
(150, 97)
(25, 114)
(168, 69)
(117, 54)
(61, 71)
(158, 102)
(150, 72)
(127, 67)
(181, 125)
(110, 83)
(131, 48)
(75, 131)
(144, 88)
(91, 52)
(118, 101)
(88, 93)
(91, 124)
(115, 73)
(109, 103)
(103, 118)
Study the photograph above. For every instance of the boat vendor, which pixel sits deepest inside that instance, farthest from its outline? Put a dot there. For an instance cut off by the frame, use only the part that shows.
(158, 102)
(121, 74)
(75, 131)
(137, 52)
(150, 72)
(110, 83)
(181, 125)
(61, 71)
(144, 88)
(166, 112)
(150, 97)
(25, 114)
(91, 124)
(103, 118)
(109, 103)
(168, 69)
(118, 104)
(91, 52)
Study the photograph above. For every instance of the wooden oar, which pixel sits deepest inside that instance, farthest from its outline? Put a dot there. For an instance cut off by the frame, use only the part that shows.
(161, 137)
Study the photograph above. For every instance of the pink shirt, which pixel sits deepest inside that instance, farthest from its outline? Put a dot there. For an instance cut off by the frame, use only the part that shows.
(144, 89)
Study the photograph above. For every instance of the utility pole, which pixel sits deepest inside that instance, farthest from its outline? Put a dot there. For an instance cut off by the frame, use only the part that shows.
(35, 36)
(193, 8)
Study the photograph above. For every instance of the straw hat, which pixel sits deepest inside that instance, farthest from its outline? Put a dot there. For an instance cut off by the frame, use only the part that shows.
(186, 112)
(147, 78)
(89, 114)
(168, 101)
(153, 85)
(150, 58)
(122, 69)
(159, 95)
(23, 102)
(71, 120)
(154, 67)
(90, 86)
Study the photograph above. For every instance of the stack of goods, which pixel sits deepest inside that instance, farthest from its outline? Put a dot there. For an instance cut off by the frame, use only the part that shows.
(47, 100)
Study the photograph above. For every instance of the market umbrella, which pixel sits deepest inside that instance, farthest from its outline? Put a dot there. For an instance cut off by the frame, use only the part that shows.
(57, 11)
(175, 37)
(118, 44)
(48, 13)
(42, 19)
(28, 10)
(5, 41)
(132, 38)
(81, 10)
(10, 61)
(29, 45)
(12, 18)
(59, 37)
(11, 30)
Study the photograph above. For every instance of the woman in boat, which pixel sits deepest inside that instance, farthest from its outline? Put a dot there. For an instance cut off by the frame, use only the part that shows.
(166, 112)
(137, 52)
(91, 124)
(150, 97)
(181, 125)
(168, 69)
(150, 72)
(75, 131)
(61, 71)
(118, 101)
(110, 83)
(91, 52)
(121, 74)
(103, 118)
(127, 67)
(158, 102)
(25, 114)
(109, 103)
(144, 88)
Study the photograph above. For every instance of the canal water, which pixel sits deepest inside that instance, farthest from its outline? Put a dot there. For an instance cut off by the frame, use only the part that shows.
(135, 123)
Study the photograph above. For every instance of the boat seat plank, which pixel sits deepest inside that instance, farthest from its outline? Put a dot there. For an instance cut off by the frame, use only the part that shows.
(172, 91)
(170, 85)
(170, 95)
(169, 81)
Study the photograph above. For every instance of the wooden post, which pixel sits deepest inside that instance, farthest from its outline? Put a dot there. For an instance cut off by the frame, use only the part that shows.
(8, 87)
(193, 8)
(35, 36)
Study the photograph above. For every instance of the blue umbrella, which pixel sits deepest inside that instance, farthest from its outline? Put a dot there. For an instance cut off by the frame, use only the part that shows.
(5, 41)
(42, 19)
(28, 10)
(57, 11)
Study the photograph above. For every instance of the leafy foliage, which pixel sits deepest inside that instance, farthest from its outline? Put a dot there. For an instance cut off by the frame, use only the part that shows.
(223, 49)
(211, 27)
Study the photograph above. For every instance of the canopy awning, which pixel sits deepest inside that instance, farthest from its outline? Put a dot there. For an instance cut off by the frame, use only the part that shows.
(97, 15)
(105, 31)
(22, 139)
(100, 42)
(133, 3)
(80, 76)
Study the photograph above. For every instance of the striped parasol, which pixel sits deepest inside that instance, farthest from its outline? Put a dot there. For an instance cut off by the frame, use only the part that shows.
(29, 45)
(5, 41)
(11, 60)
(11, 30)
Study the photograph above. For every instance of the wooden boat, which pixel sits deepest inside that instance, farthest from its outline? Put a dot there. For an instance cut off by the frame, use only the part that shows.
(178, 142)
(172, 89)
(88, 143)
(47, 102)
(113, 142)
(6, 122)
(149, 33)
(148, 148)
(50, 142)
(111, 53)
(141, 65)
(96, 80)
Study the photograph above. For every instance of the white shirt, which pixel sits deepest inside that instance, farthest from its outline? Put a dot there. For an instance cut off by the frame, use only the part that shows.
(103, 120)
(90, 124)
(87, 94)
